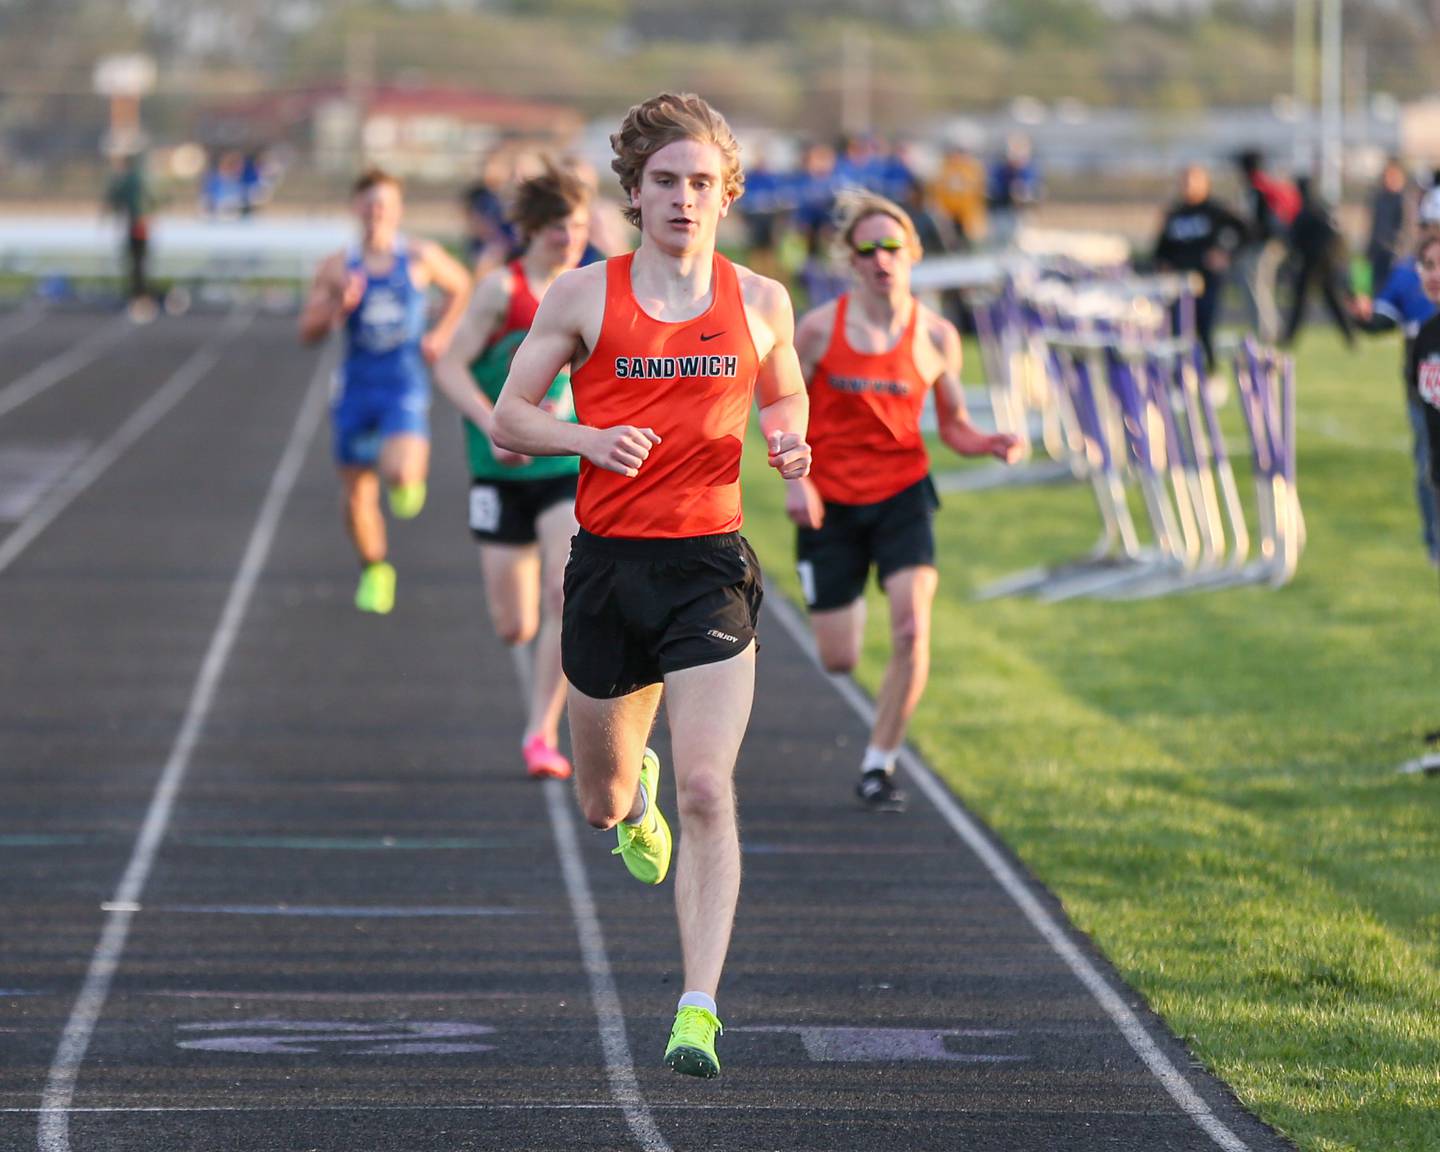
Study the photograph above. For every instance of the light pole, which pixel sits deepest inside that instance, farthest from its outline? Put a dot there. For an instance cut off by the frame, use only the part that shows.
(1332, 122)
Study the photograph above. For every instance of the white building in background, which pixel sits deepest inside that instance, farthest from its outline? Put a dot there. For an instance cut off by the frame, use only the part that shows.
(1071, 139)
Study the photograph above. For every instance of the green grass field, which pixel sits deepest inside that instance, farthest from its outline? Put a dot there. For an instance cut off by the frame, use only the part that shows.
(1206, 781)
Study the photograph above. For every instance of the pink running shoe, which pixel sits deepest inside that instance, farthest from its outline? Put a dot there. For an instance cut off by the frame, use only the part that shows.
(543, 760)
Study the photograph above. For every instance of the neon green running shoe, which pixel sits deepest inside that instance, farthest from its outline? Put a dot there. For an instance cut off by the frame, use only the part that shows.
(692, 1043)
(406, 500)
(645, 848)
(376, 591)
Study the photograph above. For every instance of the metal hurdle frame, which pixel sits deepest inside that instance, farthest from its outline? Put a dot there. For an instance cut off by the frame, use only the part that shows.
(1118, 551)
(1072, 331)
(1266, 383)
(1146, 437)
(1156, 404)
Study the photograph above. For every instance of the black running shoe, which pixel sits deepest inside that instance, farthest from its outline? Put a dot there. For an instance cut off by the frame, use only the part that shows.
(878, 793)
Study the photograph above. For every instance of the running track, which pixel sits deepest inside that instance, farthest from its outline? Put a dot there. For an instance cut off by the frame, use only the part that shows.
(270, 878)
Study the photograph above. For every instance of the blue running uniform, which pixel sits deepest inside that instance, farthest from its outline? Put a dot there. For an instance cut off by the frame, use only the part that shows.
(382, 388)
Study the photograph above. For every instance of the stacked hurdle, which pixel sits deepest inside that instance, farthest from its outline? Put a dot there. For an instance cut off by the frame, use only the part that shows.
(1133, 414)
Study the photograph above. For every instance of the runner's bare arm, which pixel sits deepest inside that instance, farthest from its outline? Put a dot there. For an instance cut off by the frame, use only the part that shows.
(780, 387)
(803, 504)
(449, 275)
(956, 431)
(557, 334)
(452, 370)
(326, 305)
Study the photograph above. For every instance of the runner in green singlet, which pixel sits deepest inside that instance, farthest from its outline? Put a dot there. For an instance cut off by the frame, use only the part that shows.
(522, 508)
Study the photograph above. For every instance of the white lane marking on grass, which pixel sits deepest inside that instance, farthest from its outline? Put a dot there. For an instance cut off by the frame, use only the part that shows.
(140, 422)
(1018, 890)
(58, 368)
(85, 1015)
(616, 1046)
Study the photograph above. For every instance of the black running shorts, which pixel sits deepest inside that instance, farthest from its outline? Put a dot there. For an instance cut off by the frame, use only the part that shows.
(637, 610)
(834, 560)
(505, 511)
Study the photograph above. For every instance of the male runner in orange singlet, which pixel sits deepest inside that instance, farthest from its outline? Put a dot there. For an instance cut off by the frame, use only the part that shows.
(670, 345)
(870, 358)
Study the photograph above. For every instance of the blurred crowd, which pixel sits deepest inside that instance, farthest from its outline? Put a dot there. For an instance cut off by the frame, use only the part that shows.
(786, 218)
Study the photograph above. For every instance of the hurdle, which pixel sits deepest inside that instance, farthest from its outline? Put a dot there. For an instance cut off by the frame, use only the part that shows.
(1140, 431)
(1118, 551)
(1265, 381)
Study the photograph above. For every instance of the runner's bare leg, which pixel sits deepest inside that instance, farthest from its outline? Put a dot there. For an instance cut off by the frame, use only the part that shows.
(708, 708)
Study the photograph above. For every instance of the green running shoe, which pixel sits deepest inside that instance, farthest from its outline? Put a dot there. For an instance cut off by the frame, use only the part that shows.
(376, 591)
(406, 500)
(692, 1043)
(645, 848)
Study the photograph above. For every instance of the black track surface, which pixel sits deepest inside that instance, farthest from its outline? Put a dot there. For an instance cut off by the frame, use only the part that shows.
(882, 990)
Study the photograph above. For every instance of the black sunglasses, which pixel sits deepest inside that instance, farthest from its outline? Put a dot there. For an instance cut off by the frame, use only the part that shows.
(868, 248)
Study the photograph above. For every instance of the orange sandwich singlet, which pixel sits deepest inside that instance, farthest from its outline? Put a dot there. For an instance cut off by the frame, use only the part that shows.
(865, 418)
(693, 382)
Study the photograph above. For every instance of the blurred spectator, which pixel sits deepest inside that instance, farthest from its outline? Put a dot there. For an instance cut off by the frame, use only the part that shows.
(128, 197)
(1200, 235)
(1387, 221)
(491, 240)
(1014, 186)
(254, 183)
(959, 192)
(760, 210)
(813, 191)
(1401, 303)
(857, 162)
(1319, 247)
(893, 176)
(934, 240)
(1274, 204)
(222, 194)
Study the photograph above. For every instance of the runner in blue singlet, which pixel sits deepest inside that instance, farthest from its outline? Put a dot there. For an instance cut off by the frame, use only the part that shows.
(380, 410)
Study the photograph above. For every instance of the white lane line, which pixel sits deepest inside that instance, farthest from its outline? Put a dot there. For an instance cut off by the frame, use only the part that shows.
(58, 368)
(685, 1107)
(969, 831)
(140, 422)
(65, 1069)
(23, 320)
(536, 1106)
(623, 1085)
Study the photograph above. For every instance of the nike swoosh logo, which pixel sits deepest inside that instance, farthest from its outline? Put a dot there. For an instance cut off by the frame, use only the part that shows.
(712, 336)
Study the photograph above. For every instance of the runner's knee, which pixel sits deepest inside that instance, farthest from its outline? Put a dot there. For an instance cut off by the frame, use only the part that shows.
(552, 594)
(905, 635)
(704, 795)
(603, 809)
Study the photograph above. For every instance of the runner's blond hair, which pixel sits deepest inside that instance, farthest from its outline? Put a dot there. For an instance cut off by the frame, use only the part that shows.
(663, 120)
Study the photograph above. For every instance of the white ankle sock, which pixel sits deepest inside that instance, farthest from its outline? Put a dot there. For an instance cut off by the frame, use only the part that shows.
(644, 806)
(879, 760)
(698, 1000)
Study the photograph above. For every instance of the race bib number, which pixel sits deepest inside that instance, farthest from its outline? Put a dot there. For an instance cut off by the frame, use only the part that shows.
(1430, 381)
(484, 508)
(806, 571)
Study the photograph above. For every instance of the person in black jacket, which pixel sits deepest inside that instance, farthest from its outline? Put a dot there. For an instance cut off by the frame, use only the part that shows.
(1316, 241)
(1200, 235)
(1387, 222)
